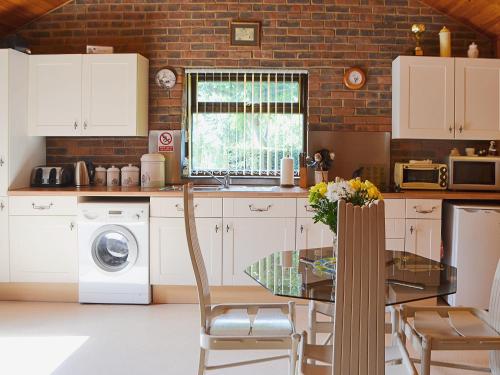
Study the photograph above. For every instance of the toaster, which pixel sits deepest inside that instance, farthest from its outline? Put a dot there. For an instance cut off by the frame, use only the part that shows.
(51, 176)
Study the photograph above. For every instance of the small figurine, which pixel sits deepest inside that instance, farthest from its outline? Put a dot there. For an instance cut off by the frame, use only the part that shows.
(492, 151)
(418, 30)
(323, 160)
(473, 51)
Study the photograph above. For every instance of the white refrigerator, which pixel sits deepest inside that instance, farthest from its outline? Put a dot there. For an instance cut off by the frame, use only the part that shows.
(471, 234)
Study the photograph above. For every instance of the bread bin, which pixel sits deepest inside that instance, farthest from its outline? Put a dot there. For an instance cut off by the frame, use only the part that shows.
(130, 175)
(100, 176)
(113, 176)
(153, 171)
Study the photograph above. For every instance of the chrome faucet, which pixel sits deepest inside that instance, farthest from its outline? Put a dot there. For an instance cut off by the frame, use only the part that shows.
(225, 181)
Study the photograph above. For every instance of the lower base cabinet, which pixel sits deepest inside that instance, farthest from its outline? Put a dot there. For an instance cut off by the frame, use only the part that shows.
(43, 249)
(423, 237)
(4, 241)
(246, 240)
(311, 235)
(169, 254)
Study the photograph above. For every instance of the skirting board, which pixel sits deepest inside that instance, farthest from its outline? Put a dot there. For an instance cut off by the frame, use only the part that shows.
(58, 292)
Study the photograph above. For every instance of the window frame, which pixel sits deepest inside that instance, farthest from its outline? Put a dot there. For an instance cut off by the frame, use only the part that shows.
(226, 75)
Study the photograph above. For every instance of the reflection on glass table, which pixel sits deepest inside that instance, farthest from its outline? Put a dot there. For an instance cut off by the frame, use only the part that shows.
(409, 277)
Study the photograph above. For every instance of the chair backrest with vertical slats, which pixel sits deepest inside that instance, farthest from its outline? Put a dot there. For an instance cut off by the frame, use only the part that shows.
(196, 255)
(360, 290)
(494, 315)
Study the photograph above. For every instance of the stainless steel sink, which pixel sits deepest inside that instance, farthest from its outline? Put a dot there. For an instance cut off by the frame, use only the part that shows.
(208, 188)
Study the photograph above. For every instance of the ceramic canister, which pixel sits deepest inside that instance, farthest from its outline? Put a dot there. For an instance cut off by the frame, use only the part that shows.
(153, 171)
(130, 175)
(113, 176)
(100, 176)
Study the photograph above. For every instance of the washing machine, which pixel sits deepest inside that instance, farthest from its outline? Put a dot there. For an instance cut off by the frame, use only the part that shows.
(113, 245)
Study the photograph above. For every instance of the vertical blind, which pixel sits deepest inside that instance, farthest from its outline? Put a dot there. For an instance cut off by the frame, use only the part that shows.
(244, 121)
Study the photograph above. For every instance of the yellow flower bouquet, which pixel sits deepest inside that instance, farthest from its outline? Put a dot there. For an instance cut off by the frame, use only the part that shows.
(323, 198)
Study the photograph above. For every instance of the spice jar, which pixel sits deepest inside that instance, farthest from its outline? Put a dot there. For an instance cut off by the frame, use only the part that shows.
(130, 175)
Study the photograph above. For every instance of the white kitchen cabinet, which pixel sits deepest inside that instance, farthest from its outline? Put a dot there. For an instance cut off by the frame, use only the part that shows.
(477, 98)
(423, 237)
(19, 153)
(4, 241)
(169, 254)
(43, 249)
(88, 95)
(55, 95)
(248, 239)
(312, 235)
(423, 92)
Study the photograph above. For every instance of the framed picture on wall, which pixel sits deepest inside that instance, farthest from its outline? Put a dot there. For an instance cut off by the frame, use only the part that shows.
(245, 33)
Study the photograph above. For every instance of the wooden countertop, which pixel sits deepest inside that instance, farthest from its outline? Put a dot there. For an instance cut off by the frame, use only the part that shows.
(241, 192)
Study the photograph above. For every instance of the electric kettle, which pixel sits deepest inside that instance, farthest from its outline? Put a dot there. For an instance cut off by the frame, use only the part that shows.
(82, 177)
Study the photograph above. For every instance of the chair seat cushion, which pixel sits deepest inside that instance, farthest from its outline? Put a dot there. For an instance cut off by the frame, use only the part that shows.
(271, 322)
(468, 324)
(431, 323)
(233, 322)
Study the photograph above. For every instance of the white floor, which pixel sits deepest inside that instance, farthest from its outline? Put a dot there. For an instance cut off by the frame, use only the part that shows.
(72, 339)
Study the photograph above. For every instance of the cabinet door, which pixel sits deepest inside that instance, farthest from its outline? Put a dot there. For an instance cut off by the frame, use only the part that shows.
(109, 95)
(55, 95)
(311, 235)
(423, 237)
(4, 241)
(48, 254)
(4, 120)
(477, 99)
(246, 240)
(170, 261)
(423, 97)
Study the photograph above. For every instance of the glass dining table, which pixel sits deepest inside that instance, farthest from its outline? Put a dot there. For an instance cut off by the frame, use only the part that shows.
(302, 274)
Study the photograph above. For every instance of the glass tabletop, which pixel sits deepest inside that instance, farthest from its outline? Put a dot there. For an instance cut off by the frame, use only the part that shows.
(308, 274)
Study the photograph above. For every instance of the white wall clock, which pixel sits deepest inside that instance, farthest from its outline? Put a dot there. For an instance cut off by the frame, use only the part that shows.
(165, 78)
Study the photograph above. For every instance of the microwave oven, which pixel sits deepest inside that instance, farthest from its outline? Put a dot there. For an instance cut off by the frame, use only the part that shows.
(474, 172)
(421, 175)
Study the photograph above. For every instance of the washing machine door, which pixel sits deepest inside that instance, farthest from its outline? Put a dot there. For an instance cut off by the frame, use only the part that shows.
(114, 248)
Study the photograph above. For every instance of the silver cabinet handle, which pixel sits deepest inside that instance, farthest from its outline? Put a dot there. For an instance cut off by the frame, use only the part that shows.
(217, 228)
(2, 162)
(257, 209)
(460, 128)
(227, 228)
(450, 129)
(180, 207)
(75, 125)
(421, 211)
(412, 229)
(301, 229)
(47, 207)
(85, 125)
(71, 226)
(309, 208)
(2, 206)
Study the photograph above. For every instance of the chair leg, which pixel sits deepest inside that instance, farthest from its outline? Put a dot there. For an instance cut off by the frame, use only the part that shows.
(203, 361)
(294, 354)
(425, 366)
(312, 323)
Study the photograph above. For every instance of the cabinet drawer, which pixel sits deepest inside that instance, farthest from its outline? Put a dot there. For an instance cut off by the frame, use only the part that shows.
(394, 208)
(43, 206)
(303, 208)
(394, 228)
(395, 244)
(423, 208)
(174, 207)
(260, 207)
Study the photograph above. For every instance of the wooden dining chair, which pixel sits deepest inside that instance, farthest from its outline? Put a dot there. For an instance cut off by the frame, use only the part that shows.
(359, 312)
(269, 326)
(455, 328)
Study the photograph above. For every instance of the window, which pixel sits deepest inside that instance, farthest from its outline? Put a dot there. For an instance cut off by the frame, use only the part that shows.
(244, 122)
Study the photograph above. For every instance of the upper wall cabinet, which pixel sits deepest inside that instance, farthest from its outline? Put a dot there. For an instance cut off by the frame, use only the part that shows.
(445, 98)
(88, 95)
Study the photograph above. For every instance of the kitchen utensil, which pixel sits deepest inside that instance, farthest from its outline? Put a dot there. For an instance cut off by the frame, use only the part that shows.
(100, 176)
(130, 175)
(51, 176)
(152, 171)
(82, 177)
(113, 176)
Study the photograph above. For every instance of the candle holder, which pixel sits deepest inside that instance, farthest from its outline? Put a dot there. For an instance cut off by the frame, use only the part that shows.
(417, 31)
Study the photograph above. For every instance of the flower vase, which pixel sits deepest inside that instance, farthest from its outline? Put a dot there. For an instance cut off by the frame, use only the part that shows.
(320, 176)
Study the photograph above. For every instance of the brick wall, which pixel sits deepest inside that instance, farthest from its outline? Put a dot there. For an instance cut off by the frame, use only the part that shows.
(324, 36)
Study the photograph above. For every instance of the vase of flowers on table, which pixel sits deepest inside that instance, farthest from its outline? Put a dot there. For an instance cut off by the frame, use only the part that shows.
(324, 197)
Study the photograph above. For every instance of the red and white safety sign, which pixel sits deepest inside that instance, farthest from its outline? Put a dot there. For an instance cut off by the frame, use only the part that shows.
(165, 142)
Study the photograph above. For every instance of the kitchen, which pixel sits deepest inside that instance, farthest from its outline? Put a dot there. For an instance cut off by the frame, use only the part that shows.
(62, 105)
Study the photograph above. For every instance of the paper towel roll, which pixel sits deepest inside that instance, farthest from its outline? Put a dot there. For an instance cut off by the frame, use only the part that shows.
(286, 178)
